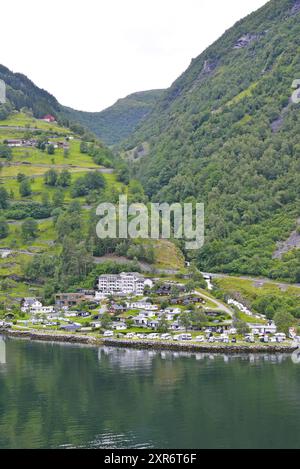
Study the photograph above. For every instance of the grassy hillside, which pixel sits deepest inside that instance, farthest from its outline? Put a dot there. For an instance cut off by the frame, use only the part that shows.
(117, 122)
(45, 204)
(48, 197)
(262, 297)
(226, 133)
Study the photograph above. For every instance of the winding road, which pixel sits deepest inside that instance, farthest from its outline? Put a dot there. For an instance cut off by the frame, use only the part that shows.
(218, 303)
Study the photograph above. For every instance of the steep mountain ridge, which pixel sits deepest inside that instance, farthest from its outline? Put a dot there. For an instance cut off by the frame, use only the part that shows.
(22, 92)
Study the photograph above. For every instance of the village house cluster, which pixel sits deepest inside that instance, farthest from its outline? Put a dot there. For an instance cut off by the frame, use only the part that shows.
(31, 143)
(133, 303)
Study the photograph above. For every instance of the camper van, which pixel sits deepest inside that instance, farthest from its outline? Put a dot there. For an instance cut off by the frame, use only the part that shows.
(183, 337)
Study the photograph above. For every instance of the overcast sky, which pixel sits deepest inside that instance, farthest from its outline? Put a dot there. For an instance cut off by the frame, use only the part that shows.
(90, 53)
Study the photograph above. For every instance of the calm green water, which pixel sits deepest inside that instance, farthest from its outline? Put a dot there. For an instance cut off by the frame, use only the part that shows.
(54, 395)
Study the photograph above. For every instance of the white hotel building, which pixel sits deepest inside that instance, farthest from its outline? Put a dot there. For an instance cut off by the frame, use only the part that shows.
(127, 283)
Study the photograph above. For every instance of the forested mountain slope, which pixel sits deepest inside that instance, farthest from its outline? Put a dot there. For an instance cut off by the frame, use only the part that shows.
(23, 95)
(112, 125)
(22, 92)
(227, 133)
(118, 121)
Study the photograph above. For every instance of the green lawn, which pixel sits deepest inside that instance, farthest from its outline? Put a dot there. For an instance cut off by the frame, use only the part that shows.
(251, 291)
(36, 156)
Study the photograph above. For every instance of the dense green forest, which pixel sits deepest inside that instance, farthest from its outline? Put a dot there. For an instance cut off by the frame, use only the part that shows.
(118, 121)
(226, 133)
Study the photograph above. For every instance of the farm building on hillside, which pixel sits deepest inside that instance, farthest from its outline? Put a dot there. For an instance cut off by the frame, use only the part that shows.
(48, 118)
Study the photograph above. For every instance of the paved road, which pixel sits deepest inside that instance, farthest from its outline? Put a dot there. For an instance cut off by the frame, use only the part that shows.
(257, 280)
(218, 303)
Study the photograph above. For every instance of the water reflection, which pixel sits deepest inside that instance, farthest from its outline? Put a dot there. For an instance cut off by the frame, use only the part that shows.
(127, 358)
(109, 440)
(2, 351)
(56, 395)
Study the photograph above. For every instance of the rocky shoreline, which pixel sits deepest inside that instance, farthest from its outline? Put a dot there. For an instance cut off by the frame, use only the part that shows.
(52, 337)
(144, 344)
(192, 347)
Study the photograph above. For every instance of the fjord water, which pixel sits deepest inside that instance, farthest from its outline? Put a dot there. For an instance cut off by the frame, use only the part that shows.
(58, 395)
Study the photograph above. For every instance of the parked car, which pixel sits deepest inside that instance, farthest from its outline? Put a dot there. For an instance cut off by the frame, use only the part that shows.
(186, 337)
(166, 337)
(121, 327)
(130, 335)
(199, 338)
(108, 334)
(280, 335)
(153, 335)
(183, 337)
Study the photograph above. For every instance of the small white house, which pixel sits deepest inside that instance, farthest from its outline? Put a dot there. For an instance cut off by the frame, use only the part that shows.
(147, 314)
(71, 315)
(119, 327)
(169, 316)
(140, 320)
(153, 324)
(46, 310)
(96, 324)
(31, 305)
(175, 326)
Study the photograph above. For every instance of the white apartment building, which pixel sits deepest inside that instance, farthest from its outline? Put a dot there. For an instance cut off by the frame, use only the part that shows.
(127, 283)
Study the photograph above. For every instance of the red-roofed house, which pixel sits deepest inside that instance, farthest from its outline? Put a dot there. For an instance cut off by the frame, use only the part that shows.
(49, 118)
